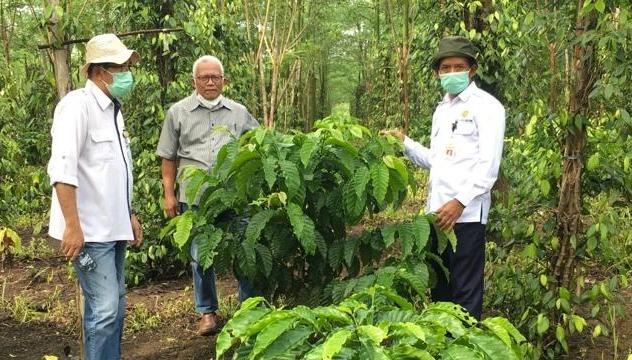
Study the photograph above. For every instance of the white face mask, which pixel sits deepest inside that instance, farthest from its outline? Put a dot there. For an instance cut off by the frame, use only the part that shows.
(209, 103)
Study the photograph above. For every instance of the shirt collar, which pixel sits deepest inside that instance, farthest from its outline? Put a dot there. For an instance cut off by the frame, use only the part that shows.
(194, 103)
(463, 96)
(102, 99)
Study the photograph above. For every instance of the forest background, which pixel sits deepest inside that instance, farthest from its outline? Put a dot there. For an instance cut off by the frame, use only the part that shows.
(559, 235)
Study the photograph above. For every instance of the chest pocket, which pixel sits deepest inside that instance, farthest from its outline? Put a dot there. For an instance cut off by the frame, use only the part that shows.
(465, 127)
(466, 136)
(102, 145)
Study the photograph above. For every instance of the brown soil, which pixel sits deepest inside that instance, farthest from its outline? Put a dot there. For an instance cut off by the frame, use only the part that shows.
(160, 322)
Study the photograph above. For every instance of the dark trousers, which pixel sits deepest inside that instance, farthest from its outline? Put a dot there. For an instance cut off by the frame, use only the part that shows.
(466, 268)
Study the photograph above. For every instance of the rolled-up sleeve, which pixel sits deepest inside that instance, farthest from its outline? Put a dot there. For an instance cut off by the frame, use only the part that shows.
(69, 132)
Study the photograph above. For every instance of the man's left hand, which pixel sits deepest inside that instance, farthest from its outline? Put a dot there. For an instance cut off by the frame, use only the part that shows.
(138, 232)
(448, 214)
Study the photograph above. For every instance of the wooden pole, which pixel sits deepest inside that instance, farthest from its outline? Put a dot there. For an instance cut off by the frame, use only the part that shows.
(136, 32)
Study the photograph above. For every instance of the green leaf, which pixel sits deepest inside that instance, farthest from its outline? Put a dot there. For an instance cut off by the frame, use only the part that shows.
(372, 333)
(287, 341)
(421, 230)
(356, 131)
(493, 347)
(450, 316)
(207, 242)
(292, 179)
(309, 145)
(497, 323)
(270, 333)
(242, 158)
(542, 324)
(545, 187)
(593, 162)
(360, 180)
(184, 224)
(335, 342)
(303, 228)
(400, 301)
(333, 314)
(335, 254)
(265, 255)
(398, 165)
(417, 280)
(269, 171)
(408, 352)
(236, 327)
(194, 179)
(354, 203)
(256, 224)
(560, 334)
(388, 234)
(407, 237)
(415, 330)
(351, 245)
(380, 179)
(459, 352)
(579, 322)
(245, 176)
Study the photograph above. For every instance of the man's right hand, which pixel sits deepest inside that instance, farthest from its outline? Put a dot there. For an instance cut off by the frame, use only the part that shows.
(171, 207)
(394, 132)
(72, 241)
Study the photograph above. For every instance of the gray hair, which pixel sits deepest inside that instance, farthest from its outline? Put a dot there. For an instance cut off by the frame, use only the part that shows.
(207, 58)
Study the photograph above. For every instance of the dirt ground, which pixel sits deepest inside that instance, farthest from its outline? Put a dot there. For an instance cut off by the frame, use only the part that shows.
(40, 318)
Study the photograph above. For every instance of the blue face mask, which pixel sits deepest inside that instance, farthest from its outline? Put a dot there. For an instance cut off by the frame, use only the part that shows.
(122, 84)
(454, 83)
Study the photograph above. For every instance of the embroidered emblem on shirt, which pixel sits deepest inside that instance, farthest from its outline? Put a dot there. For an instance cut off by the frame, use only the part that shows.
(464, 114)
(125, 134)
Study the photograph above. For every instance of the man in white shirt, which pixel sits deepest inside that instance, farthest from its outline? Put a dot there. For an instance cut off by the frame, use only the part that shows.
(466, 145)
(91, 172)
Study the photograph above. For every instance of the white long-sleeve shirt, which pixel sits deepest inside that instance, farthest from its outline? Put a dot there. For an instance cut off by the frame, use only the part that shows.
(90, 150)
(465, 149)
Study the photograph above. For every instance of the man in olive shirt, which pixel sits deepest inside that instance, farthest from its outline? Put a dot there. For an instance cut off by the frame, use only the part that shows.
(194, 131)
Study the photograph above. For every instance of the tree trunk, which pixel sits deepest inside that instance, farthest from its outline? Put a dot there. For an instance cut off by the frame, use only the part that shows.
(310, 113)
(581, 82)
(6, 31)
(59, 55)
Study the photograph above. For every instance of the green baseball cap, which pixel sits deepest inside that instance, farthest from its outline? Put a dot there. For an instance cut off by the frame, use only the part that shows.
(451, 46)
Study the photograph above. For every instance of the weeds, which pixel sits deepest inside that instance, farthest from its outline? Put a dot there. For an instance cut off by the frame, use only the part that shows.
(140, 318)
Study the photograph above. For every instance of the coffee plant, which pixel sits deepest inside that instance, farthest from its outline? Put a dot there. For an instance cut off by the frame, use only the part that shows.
(375, 323)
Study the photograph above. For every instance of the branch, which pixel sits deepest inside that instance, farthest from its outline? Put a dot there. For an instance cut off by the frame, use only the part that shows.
(136, 32)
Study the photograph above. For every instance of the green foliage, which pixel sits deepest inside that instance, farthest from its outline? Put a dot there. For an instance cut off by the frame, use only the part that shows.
(294, 198)
(373, 323)
(547, 314)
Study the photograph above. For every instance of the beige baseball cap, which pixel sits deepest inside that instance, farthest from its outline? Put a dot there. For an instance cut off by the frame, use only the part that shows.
(107, 48)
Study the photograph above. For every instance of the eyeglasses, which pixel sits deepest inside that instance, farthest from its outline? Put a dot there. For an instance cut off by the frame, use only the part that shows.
(206, 78)
(445, 69)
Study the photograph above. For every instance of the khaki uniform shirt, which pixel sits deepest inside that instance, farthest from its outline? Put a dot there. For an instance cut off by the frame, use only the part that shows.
(193, 134)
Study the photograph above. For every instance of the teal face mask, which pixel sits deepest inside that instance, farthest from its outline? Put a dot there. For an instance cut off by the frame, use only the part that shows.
(121, 85)
(454, 83)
